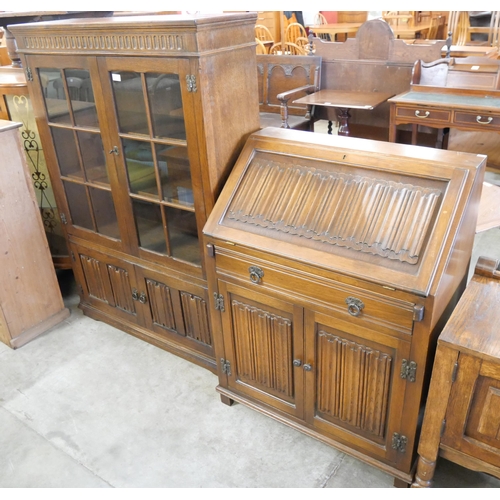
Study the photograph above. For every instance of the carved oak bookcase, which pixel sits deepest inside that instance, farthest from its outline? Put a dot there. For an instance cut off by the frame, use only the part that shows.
(141, 119)
(333, 263)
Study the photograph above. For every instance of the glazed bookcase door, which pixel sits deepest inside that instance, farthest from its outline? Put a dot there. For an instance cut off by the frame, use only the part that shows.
(154, 144)
(354, 392)
(263, 342)
(72, 126)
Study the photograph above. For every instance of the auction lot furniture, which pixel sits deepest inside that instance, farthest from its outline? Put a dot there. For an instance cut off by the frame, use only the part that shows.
(30, 298)
(141, 120)
(462, 415)
(332, 264)
(460, 93)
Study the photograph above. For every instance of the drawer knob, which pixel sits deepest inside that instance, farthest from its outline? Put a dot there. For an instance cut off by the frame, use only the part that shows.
(354, 306)
(488, 120)
(297, 362)
(256, 274)
(308, 367)
(418, 115)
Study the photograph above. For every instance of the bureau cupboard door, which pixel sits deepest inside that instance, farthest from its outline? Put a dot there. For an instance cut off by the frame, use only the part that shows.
(354, 392)
(473, 414)
(175, 309)
(73, 130)
(107, 284)
(152, 127)
(263, 343)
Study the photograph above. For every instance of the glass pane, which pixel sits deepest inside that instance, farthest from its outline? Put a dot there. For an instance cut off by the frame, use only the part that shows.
(140, 167)
(93, 157)
(129, 99)
(104, 212)
(166, 105)
(183, 235)
(67, 152)
(76, 195)
(173, 163)
(82, 97)
(55, 97)
(149, 226)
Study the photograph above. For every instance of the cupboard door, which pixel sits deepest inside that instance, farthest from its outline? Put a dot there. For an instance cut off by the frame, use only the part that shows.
(176, 310)
(354, 390)
(64, 89)
(107, 284)
(473, 414)
(263, 342)
(154, 143)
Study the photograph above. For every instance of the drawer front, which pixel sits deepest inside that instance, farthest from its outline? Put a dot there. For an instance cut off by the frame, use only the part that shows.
(351, 303)
(424, 114)
(486, 120)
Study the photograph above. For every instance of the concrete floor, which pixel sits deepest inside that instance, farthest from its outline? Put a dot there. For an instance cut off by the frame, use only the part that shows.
(86, 405)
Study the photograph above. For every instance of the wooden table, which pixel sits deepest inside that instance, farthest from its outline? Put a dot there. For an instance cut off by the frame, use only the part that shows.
(468, 50)
(462, 416)
(333, 29)
(411, 31)
(344, 101)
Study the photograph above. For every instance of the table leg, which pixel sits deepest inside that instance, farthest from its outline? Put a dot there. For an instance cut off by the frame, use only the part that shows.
(344, 122)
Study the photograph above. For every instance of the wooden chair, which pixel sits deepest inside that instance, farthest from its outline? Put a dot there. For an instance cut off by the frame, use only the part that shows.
(321, 19)
(458, 26)
(263, 34)
(399, 18)
(281, 80)
(494, 34)
(294, 31)
(288, 48)
(260, 47)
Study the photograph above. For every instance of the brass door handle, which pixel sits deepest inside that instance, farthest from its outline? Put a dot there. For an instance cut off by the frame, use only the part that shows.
(418, 115)
(489, 120)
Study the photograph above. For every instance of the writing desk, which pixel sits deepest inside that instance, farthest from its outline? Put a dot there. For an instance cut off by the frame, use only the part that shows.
(444, 94)
(343, 101)
(333, 29)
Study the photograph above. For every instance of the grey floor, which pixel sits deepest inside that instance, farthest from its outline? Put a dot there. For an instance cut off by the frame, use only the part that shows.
(86, 405)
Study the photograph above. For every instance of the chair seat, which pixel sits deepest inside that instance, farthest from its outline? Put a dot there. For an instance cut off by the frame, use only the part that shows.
(295, 122)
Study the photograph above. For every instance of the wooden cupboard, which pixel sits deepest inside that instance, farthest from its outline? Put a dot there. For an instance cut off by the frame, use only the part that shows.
(462, 417)
(333, 263)
(141, 119)
(30, 298)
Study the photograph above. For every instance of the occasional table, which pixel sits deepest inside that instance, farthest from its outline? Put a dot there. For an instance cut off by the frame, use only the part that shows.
(333, 29)
(344, 101)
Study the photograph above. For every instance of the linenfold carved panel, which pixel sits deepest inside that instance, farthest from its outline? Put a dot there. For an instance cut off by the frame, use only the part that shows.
(196, 318)
(263, 348)
(359, 212)
(160, 303)
(120, 287)
(353, 383)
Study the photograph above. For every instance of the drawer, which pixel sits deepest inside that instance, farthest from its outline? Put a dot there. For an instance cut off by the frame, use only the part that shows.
(486, 120)
(350, 303)
(424, 114)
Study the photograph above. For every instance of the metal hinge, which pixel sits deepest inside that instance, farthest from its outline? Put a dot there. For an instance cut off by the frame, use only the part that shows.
(418, 313)
(408, 370)
(219, 302)
(191, 83)
(226, 366)
(29, 75)
(454, 372)
(211, 250)
(73, 256)
(63, 218)
(443, 427)
(399, 442)
(80, 287)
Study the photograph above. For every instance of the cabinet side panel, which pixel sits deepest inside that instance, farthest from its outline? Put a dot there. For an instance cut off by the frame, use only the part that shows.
(263, 346)
(353, 383)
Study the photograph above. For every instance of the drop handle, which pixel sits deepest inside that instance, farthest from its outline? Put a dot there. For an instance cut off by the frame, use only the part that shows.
(488, 120)
(308, 367)
(418, 115)
(114, 151)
